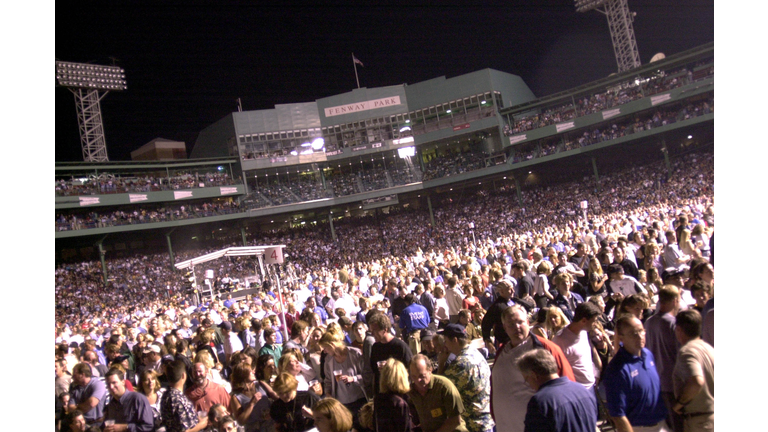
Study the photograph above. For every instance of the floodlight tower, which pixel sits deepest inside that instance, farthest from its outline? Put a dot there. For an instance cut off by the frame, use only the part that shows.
(90, 83)
(620, 25)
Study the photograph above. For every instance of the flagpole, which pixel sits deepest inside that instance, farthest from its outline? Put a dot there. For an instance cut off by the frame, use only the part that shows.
(355, 66)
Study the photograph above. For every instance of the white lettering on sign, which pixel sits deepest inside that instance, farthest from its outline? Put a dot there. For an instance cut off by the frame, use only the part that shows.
(136, 197)
(362, 106)
(375, 145)
(228, 190)
(182, 194)
(517, 138)
(84, 201)
(611, 113)
(660, 98)
(417, 315)
(564, 126)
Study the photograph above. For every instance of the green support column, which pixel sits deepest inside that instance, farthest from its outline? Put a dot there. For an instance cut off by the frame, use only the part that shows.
(519, 192)
(333, 231)
(322, 178)
(666, 157)
(597, 176)
(421, 162)
(103, 261)
(431, 215)
(170, 248)
(242, 233)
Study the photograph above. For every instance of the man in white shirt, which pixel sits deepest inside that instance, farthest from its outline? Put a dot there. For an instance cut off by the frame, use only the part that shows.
(574, 341)
(454, 297)
(232, 343)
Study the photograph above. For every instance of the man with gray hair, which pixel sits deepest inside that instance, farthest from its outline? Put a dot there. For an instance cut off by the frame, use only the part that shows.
(559, 404)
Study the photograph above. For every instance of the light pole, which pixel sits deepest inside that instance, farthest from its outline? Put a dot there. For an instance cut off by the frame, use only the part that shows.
(90, 83)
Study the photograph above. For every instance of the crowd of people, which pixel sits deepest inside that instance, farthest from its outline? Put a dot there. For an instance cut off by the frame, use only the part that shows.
(612, 97)
(389, 327)
(108, 183)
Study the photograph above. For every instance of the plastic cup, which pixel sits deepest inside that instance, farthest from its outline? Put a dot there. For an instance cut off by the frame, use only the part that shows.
(381, 363)
(109, 422)
(337, 375)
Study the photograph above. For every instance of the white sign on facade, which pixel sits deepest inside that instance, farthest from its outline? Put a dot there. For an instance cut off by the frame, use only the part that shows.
(362, 106)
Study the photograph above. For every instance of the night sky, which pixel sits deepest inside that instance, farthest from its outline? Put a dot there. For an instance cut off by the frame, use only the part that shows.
(186, 63)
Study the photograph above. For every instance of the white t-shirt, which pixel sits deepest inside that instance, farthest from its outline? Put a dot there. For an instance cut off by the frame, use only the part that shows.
(510, 392)
(579, 354)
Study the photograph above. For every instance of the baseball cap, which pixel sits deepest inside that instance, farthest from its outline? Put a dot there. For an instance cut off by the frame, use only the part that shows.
(454, 331)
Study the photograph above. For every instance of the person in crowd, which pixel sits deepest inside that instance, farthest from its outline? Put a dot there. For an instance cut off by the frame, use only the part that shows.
(559, 404)
(435, 397)
(299, 335)
(566, 300)
(414, 318)
(178, 412)
(555, 321)
(470, 373)
(344, 370)
(331, 415)
(694, 374)
(632, 385)
(270, 344)
(492, 321)
(249, 400)
(126, 410)
(392, 412)
(204, 393)
(292, 411)
(575, 343)
(661, 341)
(291, 363)
(150, 387)
(88, 394)
(386, 346)
(509, 393)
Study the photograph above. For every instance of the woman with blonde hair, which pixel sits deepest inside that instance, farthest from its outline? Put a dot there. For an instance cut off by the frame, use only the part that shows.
(686, 245)
(331, 415)
(343, 373)
(556, 321)
(596, 277)
(292, 364)
(292, 411)
(541, 294)
(391, 412)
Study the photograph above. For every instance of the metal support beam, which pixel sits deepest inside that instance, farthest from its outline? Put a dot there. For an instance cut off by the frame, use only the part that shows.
(665, 151)
(622, 34)
(242, 233)
(170, 247)
(333, 231)
(431, 214)
(92, 138)
(519, 192)
(597, 176)
(102, 253)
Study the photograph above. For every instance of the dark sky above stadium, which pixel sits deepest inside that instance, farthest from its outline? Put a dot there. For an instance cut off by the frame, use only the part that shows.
(187, 62)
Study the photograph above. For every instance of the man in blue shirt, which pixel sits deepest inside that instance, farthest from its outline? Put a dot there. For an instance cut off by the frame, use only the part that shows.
(633, 388)
(88, 394)
(129, 410)
(559, 403)
(413, 319)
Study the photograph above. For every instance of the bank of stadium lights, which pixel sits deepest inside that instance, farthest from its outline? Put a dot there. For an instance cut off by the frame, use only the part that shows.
(620, 25)
(90, 83)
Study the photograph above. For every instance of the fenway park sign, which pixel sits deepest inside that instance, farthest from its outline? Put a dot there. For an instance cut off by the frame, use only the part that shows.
(362, 106)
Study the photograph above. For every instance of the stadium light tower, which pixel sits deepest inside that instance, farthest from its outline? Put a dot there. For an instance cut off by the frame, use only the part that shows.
(90, 83)
(620, 25)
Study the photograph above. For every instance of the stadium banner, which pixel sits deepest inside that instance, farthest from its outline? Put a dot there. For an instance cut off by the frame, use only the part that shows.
(358, 148)
(564, 126)
(228, 190)
(182, 194)
(611, 113)
(517, 138)
(84, 201)
(362, 106)
(137, 197)
(460, 127)
(655, 100)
